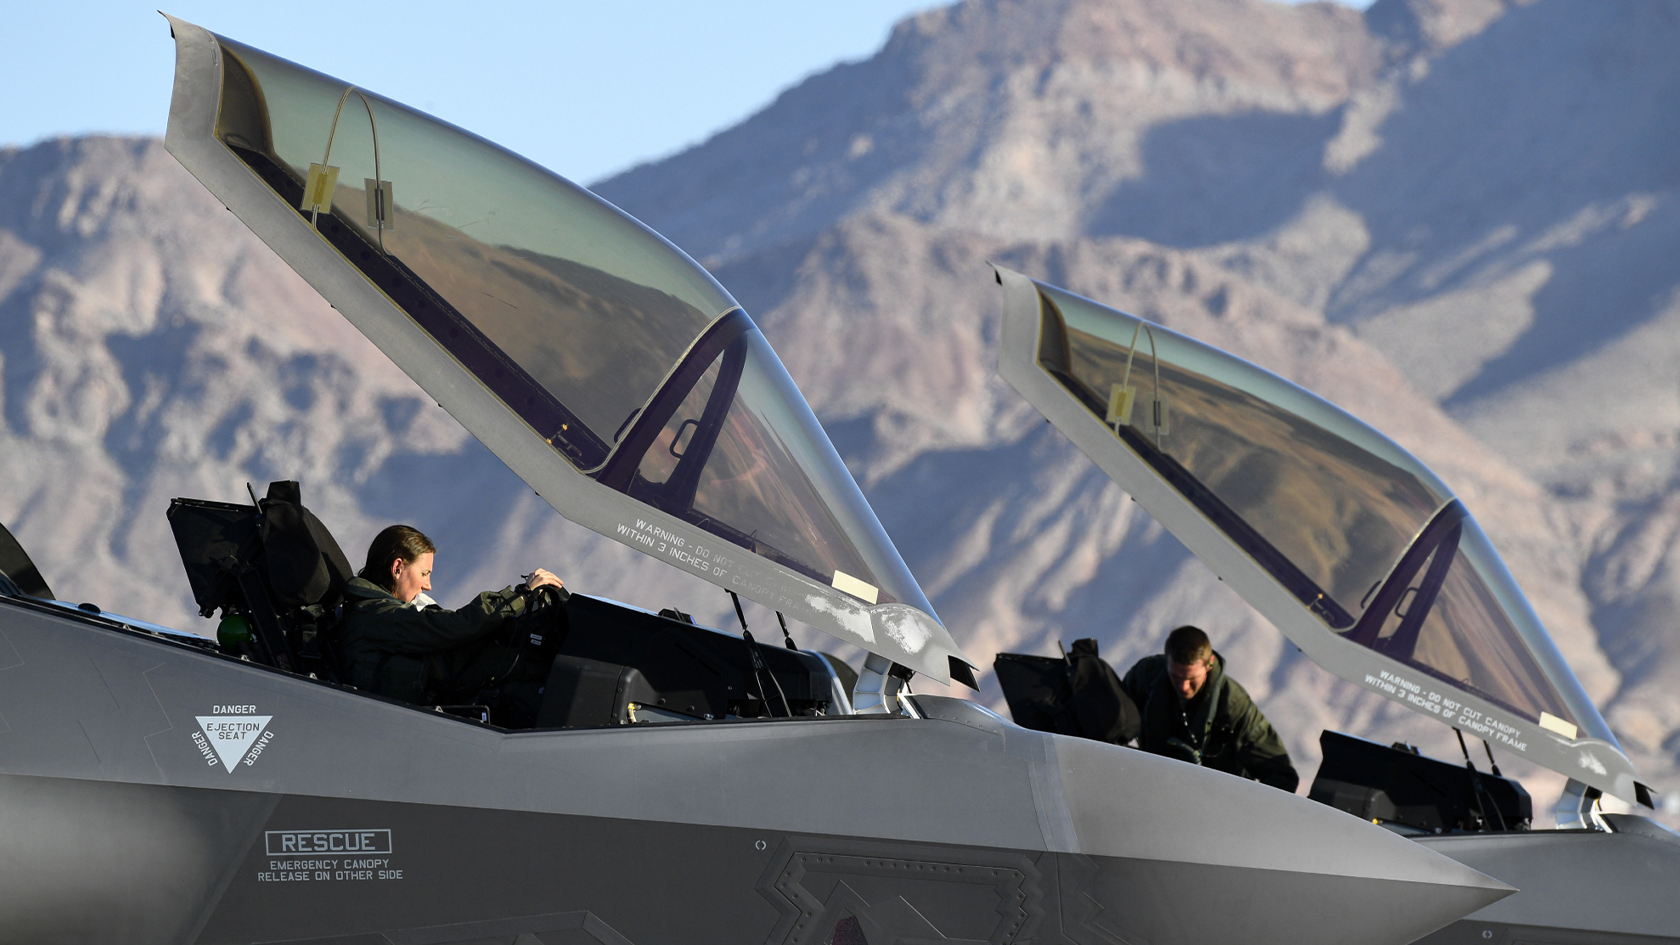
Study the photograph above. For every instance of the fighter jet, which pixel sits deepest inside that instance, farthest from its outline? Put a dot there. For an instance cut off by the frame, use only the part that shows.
(1366, 560)
(681, 784)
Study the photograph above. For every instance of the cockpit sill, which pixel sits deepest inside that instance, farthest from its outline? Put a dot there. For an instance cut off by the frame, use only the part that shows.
(905, 705)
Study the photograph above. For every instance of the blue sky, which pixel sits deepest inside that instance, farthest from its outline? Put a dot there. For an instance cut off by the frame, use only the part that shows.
(585, 89)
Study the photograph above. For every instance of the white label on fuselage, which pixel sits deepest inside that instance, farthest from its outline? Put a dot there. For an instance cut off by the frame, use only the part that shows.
(328, 856)
(227, 739)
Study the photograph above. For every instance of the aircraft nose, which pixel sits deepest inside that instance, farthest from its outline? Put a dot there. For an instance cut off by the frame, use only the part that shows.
(1160, 851)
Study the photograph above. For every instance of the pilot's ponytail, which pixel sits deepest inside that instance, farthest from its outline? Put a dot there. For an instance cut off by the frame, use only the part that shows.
(397, 541)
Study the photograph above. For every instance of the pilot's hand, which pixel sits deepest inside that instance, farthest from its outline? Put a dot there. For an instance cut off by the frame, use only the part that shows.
(542, 578)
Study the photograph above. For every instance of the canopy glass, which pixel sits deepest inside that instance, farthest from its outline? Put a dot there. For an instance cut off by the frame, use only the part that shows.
(1363, 536)
(609, 343)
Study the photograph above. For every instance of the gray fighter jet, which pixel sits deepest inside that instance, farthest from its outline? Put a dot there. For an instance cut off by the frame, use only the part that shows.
(681, 785)
(1369, 563)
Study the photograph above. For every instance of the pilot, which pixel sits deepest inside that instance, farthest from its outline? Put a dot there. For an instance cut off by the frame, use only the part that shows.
(396, 641)
(1192, 711)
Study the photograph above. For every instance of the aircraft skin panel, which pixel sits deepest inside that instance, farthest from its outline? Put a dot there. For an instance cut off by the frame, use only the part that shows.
(1574, 879)
(1592, 758)
(169, 765)
(904, 631)
(118, 861)
(139, 712)
(1480, 933)
(426, 873)
(1260, 833)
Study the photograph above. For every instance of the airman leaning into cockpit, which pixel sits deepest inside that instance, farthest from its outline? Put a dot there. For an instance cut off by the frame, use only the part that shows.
(1192, 711)
(396, 641)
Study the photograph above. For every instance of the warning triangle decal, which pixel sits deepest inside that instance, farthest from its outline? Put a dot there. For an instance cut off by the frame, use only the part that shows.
(232, 735)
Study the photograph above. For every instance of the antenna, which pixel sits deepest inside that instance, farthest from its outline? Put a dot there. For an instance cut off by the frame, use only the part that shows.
(252, 490)
(1461, 747)
(739, 613)
(757, 660)
(1476, 789)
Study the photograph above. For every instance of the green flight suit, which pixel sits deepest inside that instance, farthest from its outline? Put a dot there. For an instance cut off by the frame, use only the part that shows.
(1221, 728)
(431, 656)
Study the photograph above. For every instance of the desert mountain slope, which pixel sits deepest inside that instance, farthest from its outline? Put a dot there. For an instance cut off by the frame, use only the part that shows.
(1009, 117)
(1501, 225)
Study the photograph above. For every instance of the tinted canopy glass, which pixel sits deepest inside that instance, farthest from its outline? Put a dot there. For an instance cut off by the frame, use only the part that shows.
(608, 342)
(730, 446)
(1358, 532)
(571, 311)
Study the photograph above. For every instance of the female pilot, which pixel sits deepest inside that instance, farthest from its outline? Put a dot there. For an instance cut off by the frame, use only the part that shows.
(396, 641)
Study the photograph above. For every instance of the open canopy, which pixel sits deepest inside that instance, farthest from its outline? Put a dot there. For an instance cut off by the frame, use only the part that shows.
(1345, 541)
(604, 366)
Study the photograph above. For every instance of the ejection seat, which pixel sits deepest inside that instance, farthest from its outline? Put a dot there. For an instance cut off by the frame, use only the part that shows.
(273, 570)
(18, 575)
(1076, 694)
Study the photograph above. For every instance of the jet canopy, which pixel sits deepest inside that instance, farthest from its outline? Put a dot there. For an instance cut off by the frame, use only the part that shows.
(1340, 537)
(608, 369)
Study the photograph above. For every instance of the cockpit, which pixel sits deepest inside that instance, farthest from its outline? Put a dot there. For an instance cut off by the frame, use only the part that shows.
(276, 576)
(625, 357)
(1345, 541)
(1359, 532)
(606, 368)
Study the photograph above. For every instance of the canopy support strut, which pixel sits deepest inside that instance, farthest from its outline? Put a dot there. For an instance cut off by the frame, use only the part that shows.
(1577, 809)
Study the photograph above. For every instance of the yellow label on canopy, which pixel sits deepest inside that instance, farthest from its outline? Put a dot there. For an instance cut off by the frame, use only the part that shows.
(1120, 399)
(856, 587)
(1552, 723)
(318, 189)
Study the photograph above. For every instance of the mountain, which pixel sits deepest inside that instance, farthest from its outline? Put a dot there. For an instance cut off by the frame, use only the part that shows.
(1448, 216)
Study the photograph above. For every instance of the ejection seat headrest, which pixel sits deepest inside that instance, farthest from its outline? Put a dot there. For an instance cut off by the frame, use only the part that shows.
(304, 563)
(17, 571)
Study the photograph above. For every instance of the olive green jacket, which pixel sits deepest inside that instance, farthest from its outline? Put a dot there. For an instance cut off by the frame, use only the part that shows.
(388, 647)
(1220, 728)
